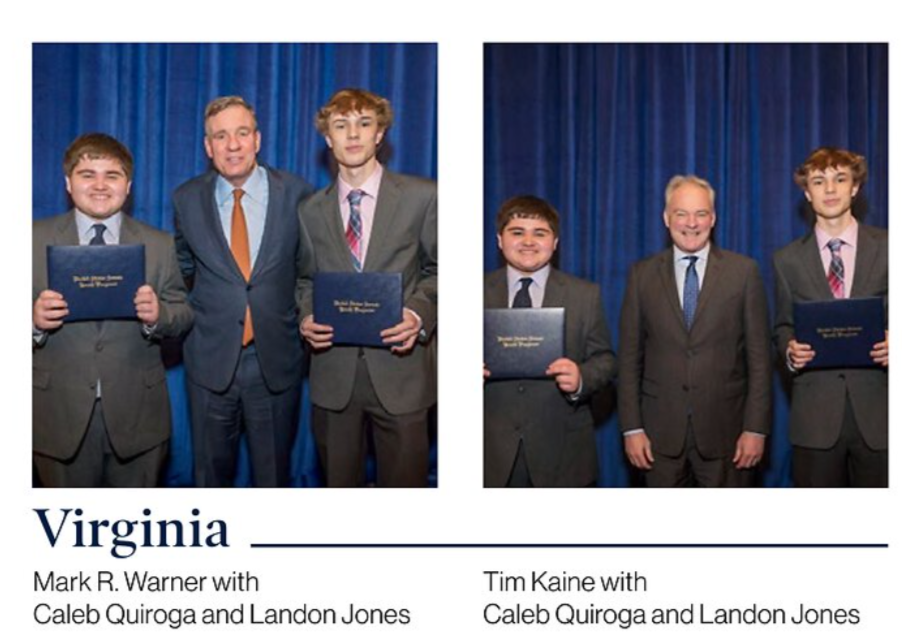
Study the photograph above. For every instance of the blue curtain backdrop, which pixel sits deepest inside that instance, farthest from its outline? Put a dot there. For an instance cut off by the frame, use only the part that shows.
(151, 97)
(598, 130)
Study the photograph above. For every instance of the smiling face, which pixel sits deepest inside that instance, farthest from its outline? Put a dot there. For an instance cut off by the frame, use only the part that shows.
(98, 187)
(232, 142)
(830, 193)
(354, 138)
(527, 244)
(690, 217)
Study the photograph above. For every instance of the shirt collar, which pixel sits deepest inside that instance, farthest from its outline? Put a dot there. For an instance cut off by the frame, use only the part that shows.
(849, 236)
(254, 187)
(539, 278)
(679, 254)
(370, 187)
(85, 226)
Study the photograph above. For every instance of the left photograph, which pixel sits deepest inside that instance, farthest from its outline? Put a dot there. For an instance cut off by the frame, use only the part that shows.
(234, 265)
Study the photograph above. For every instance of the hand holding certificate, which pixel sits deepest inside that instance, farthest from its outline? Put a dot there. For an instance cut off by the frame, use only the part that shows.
(358, 306)
(97, 283)
(522, 343)
(842, 333)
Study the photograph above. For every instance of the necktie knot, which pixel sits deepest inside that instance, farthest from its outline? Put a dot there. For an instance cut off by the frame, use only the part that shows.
(691, 259)
(237, 193)
(522, 299)
(355, 196)
(835, 244)
(97, 238)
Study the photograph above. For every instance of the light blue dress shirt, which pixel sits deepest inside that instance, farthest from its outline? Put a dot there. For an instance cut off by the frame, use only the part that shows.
(254, 203)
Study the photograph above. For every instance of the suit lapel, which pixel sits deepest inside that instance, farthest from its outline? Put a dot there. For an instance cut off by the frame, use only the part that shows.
(713, 276)
(66, 230)
(865, 259)
(128, 234)
(554, 291)
(496, 290)
(812, 263)
(667, 278)
(212, 226)
(386, 209)
(336, 231)
(270, 230)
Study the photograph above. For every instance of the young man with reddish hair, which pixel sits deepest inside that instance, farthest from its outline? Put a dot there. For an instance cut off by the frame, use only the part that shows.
(838, 421)
(372, 220)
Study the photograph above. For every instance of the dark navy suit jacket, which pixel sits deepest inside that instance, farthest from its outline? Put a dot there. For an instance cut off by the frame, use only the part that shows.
(219, 293)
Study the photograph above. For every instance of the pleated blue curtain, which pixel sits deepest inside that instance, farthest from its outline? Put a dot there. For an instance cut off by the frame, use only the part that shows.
(598, 130)
(151, 97)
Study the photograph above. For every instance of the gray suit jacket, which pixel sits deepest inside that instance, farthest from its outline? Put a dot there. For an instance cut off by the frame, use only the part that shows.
(818, 396)
(404, 240)
(220, 294)
(719, 370)
(67, 365)
(558, 434)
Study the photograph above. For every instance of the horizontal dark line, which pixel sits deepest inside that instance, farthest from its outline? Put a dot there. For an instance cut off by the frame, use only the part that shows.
(446, 545)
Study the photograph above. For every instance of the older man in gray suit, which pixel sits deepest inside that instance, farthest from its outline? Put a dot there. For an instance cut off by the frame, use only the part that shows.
(101, 410)
(695, 360)
(239, 244)
(372, 220)
(839, 420)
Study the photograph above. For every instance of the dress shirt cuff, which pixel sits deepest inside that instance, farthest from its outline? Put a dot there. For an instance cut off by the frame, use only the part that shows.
(574, 397)
(789, 364)
(421, 332)
(630, 433)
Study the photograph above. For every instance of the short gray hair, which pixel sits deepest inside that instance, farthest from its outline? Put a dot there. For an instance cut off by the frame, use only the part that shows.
(681, 179)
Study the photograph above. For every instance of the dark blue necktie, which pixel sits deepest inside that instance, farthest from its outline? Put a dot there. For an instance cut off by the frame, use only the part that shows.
(97, 238)
(522, 300)
(690, 291)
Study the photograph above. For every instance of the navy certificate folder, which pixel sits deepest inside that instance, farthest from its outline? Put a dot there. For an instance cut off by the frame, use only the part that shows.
(841, 332)
(357, 305)
(97, 282)
(521, 343)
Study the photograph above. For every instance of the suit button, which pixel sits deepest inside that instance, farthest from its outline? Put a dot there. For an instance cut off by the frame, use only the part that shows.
(98, 346)
(520, 388)
(685, 388)
(842, 375)
(249, 287)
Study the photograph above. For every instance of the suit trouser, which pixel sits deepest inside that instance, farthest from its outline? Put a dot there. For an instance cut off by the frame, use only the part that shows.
(269, 421)
(849, 463)
(96, 464)
(519, 476)
(401, 440)
(691, 469)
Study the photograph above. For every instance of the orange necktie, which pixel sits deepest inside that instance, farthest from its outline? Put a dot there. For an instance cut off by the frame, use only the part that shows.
(241, 251)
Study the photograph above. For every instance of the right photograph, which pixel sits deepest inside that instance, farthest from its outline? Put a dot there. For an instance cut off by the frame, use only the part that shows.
(686, 265)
